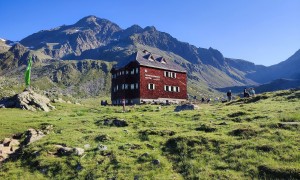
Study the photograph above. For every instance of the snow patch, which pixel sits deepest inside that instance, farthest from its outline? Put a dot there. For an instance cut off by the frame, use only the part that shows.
(2, 39)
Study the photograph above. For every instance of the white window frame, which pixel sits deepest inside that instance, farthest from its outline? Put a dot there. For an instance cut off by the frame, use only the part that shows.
(151, 88)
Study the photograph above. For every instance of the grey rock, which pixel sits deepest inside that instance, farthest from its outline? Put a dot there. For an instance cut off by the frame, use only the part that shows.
(78, 151)
(28, 100)
(63, 151)
(102, 147)
(87, 146)
(33, 135)
(186, 107)
(115, 122)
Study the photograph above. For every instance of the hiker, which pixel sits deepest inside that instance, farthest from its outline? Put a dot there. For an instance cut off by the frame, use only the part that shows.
(202, 100)
(229, 95)
(246, 93)
(252, 92)
(208, 100)
(123, 104)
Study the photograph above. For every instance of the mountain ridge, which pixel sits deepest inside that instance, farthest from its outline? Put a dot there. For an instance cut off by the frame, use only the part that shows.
(96, 38)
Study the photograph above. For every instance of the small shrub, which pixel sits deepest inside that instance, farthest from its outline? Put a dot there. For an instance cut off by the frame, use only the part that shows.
(206, 128)
(237, 114)
(245, 132)
(265, 148)
(267, 172)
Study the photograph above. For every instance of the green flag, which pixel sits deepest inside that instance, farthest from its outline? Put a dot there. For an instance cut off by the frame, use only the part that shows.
(27, 73)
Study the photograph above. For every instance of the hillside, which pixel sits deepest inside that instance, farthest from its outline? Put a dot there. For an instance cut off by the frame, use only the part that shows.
(255, 138)
(288, 69)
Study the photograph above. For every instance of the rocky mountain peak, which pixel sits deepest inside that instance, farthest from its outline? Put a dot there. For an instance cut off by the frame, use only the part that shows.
(87, 20)
(18, 49)
(92, 21)
(150, 28)
(135, 28)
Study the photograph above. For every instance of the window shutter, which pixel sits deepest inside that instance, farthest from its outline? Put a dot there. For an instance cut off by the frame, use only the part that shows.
(165, 73)
(174, 75)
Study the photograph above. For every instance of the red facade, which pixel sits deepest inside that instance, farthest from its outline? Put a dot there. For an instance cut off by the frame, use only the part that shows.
(137, 83)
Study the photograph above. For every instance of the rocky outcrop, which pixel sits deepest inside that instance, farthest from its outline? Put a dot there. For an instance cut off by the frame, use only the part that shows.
(9, 146)
(115, 122)
(33, 135)
(66, 151)
(28, 100)
(186, 107)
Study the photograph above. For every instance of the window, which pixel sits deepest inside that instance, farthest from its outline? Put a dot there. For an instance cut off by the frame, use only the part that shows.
(126, 72)
(176, 89)
(171, 88)
(169, 74)
(136, 86)
(123, 86)
(126, 86)
(151, 86)
(132, 71)
(136, 70)
(132, 86)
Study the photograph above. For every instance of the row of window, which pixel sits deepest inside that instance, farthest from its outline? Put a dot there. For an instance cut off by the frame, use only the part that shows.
(166, 88)
(170, 74)
(150, 87)
(126, 86)
(125, 72)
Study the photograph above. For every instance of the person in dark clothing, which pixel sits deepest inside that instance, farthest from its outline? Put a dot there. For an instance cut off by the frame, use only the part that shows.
(229, 95)
(246, 93)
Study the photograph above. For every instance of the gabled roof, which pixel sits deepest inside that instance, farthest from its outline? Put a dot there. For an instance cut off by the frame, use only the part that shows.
(145, 58)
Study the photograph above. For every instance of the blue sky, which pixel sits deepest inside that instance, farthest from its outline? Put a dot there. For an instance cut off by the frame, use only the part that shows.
(261, 31)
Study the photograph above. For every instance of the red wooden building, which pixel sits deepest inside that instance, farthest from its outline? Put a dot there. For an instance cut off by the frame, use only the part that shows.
(147, 77)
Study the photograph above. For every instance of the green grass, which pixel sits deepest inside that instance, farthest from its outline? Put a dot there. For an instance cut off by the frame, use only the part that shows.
(237, 140)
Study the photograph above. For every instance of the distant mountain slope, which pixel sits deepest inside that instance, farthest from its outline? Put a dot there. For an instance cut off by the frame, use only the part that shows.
(279, 84)
(289, 68)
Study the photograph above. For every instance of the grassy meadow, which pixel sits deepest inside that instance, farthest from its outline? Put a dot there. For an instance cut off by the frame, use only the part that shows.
(243, 139)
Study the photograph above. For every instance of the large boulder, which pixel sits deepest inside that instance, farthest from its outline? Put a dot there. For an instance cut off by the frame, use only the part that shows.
(28, 100)
(186, 107)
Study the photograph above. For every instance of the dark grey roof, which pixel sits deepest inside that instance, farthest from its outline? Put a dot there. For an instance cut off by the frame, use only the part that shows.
(145, 58)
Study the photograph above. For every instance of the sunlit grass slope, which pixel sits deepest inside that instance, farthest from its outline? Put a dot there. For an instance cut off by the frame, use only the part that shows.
(244, 139)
